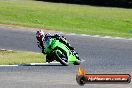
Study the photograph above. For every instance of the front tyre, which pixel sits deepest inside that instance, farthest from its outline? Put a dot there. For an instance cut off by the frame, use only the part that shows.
(77, 62)
(61, 58)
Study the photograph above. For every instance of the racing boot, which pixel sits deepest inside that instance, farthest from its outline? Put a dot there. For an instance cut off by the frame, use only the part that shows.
(49, 58)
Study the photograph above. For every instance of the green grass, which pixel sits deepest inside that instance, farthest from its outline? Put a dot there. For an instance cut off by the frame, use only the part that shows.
(20, 57)
(67, 17)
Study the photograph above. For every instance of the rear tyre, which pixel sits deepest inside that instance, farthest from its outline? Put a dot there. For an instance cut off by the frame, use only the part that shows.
(61, 58)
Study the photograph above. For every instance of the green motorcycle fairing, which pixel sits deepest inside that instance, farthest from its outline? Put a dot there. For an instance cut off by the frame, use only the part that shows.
(53, 44)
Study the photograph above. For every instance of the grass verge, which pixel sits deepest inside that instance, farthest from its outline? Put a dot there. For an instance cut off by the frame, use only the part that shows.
(67, 17)
(20, 57)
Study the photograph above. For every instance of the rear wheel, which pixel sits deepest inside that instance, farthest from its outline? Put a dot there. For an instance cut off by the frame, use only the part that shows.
(61, 58)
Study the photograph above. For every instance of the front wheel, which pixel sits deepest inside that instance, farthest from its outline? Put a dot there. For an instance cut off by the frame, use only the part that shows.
(77, 62)
(61, 58)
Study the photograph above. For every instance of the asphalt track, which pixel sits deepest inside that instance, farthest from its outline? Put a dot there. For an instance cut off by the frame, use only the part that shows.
(101, 55)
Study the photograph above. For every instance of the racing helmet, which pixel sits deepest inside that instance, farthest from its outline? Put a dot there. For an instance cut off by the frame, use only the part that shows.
(40, 35)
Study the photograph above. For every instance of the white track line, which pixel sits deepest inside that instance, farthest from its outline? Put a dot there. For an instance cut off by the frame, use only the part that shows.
(6, 50)
(35, 64)
(51, 63)
(3, 49)
(8, 65)
(32, 64)
(97, 36)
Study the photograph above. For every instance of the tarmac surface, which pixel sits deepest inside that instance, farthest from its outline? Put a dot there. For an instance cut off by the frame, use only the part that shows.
(101, 55)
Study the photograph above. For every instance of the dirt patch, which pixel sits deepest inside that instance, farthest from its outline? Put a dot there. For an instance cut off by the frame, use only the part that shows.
(21, 28)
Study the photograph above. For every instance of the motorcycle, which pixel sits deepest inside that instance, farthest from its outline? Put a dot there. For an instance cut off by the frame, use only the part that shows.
(55, 50)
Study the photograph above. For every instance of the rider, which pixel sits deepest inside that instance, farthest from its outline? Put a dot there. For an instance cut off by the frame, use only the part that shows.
(41, 38)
